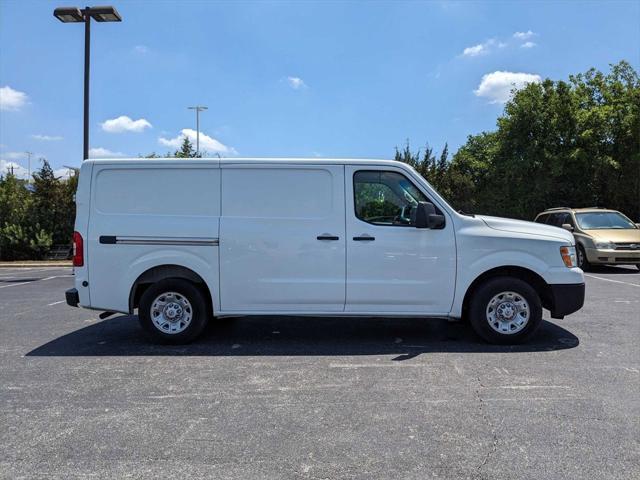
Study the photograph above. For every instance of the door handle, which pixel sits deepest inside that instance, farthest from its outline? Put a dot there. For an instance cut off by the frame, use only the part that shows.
(327, 237)
(364, 238)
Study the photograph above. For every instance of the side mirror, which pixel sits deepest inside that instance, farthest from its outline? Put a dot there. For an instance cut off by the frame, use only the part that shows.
(425, 216)
(567, 226)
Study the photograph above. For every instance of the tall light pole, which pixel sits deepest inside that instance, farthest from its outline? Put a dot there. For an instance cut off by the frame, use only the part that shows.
(76, 15)
(29, 166)
(198, 109)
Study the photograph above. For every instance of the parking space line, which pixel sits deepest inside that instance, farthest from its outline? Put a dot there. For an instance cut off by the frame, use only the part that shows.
(22, 270)
(531, 387)
(611, 280)
(18, 284)
(33, 281)
(55, 303)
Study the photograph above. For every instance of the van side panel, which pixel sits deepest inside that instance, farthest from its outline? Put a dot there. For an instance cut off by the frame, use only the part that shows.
(146, 215)
(83, 197)
(282, 238)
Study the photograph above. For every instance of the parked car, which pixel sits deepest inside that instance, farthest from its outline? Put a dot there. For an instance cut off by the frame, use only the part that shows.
(183, 240)
(602, 236)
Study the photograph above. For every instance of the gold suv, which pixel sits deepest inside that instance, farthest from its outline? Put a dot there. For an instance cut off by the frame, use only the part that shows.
(603, 236)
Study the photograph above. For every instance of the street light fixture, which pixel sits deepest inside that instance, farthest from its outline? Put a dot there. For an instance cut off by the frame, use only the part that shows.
(68, 14)
(105, 14)
(76, 15)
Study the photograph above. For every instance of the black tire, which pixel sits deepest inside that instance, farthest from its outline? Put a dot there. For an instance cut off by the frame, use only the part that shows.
(480, 301)
(583, 263)
(194, 296)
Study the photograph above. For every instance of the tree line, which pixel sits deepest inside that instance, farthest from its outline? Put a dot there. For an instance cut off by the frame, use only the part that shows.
(557, 143)
(34, 216)
(569, 143)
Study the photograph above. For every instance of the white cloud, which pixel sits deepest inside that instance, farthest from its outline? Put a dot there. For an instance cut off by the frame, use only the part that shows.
(523, 35)
(497, 86)
(11, 99)
(47, 138)
(23, 172)
(141, 49)
(476, 50)
(207, 143)
(483, 48)
(492, 44)
(63, 173)
(99, 152)
(125, 124)
(296, 83)
(18, 170)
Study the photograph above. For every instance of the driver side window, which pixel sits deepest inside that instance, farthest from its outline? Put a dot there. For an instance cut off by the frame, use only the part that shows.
(385, 198)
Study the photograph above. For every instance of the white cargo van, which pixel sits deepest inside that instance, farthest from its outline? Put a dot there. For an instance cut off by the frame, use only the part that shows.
(185, 240)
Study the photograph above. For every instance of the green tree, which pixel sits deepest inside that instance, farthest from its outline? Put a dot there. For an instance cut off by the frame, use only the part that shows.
(557, 143)
(34, 218)
(68, 208)
(186, 150)
(15, 202)
(47, 210)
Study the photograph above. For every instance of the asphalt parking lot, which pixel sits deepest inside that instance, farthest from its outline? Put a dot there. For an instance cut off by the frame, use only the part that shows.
(316, 398)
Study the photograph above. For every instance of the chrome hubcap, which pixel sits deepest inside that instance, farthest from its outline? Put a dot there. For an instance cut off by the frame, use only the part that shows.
(171, 312)
(508, 313)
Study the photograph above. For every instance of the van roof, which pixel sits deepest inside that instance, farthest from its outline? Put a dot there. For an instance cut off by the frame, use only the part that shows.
(236, 161)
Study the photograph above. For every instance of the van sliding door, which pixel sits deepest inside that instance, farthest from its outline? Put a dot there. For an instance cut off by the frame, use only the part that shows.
(282, 238)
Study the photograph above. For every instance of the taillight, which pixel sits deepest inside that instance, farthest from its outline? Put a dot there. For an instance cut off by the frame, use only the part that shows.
(78, 251)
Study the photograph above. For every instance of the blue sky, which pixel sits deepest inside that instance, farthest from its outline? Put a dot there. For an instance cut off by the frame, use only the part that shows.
(333, 79)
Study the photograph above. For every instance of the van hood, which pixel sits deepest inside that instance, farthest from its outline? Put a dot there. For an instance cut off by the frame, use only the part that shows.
(530, 228)
(615, 234)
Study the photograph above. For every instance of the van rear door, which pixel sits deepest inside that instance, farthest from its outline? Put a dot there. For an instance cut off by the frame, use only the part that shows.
(147, 214)
(282, 238)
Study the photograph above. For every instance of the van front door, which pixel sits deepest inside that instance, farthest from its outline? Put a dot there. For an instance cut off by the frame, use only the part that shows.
(391, 265)
(282, 238)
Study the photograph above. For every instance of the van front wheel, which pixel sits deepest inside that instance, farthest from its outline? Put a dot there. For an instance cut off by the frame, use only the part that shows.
(173, 311)
(505, 310)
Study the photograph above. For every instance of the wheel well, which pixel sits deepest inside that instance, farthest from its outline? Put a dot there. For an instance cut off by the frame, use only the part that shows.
(532, 278)
(163, 272)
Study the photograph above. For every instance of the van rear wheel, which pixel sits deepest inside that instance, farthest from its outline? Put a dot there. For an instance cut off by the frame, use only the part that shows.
(173, 311)
(505, 310)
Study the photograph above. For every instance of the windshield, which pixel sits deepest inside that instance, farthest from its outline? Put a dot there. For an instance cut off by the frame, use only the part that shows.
(603, 220)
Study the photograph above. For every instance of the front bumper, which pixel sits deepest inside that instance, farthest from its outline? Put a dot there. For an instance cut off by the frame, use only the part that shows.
(72, 297)
(566, 298)
(613, 257)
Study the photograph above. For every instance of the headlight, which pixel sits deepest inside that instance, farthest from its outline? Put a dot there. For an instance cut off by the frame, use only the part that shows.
(568, 255)
(605, 245)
